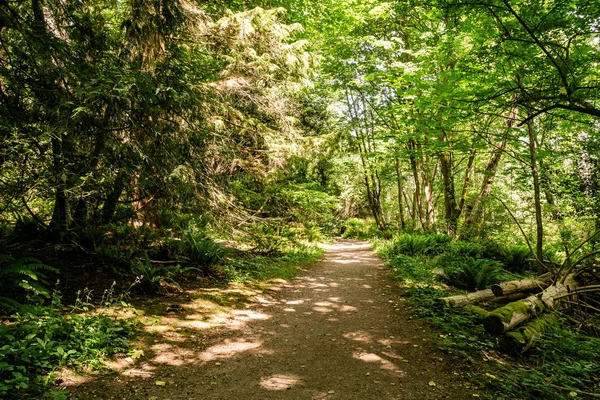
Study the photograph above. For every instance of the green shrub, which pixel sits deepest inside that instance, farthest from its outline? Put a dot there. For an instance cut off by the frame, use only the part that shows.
(563, 363)
(259, 266)
(412, 269)
(517, 259)
(37, 342)
(463, 249)
(159, 278)
(202, 250)
(356, 228)
(268, 239)
(25, 275)
(419, 244)
(470, 273)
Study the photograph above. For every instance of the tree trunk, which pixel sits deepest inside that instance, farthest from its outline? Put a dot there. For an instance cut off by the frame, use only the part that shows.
(110, 205)
(399, 181)
(475, 217)
(61, 213)
(418, 197)
(428, 188)
(536, 191)
(451, 210)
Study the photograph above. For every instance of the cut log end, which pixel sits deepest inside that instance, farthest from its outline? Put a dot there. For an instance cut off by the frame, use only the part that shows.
(497, 290)
(493, 324)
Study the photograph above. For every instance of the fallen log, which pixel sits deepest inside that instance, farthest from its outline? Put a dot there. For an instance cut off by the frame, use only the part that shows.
(521, 339)
(462, 300)
(481, 296)
(507, 298)
(527, 285)
(513, 314)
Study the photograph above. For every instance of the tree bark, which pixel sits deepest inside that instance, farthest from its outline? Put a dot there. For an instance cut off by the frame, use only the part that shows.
(418, 199)
(526, 285)
(476, 215)
(400, 183)
(536, 191)
(110, 205)
(430, 207)
(480, 296)
(522, 339)
(451, 210)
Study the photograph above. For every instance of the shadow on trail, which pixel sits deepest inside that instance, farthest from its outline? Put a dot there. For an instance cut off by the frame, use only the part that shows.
(333, 332)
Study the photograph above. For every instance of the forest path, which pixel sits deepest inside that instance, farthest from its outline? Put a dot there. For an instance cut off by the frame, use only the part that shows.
(336, 331)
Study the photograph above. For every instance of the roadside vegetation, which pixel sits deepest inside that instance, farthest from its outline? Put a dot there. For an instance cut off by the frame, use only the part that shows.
(559, 362)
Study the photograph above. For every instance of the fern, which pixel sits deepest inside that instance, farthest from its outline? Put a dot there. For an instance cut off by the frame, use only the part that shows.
(471, 273)
(516, 258)
(24, 273)
(413, 245)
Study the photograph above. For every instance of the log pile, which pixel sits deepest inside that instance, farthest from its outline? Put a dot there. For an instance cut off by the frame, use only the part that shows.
(524, 317)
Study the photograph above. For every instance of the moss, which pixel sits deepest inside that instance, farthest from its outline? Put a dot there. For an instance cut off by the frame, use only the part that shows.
(506, 312)
(523, 337)
(477, 310)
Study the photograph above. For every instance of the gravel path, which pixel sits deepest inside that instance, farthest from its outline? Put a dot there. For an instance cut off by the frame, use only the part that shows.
(337, 331)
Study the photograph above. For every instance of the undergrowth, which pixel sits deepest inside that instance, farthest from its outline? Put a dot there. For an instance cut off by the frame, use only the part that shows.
(563, 364)
(249, 267)
(39, 340)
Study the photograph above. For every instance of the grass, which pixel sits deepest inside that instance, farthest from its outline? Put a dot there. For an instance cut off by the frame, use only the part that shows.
(562, 365)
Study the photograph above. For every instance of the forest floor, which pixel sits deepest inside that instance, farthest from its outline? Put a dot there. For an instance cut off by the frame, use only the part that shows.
(339, 330)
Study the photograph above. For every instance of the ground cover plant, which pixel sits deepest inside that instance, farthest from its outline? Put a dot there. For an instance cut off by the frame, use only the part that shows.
(39, 340)
(559, 366)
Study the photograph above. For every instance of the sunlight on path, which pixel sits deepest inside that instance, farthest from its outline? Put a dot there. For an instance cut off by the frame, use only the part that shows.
(331, 333)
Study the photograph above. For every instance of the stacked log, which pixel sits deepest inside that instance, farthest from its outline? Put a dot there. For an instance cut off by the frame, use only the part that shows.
(510, 316)
(504, 292)
(515, 318)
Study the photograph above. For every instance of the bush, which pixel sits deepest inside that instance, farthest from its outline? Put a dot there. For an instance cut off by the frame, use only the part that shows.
(356, 228)
(516, 259)
(159, 278)
(194, 247)
(285, 265)
(269, 239)
(25, 275)
(563, 357)
(462, 249)
(413, 245)
(470, 273)
(39, 341)
(202, 249)
(412, 269)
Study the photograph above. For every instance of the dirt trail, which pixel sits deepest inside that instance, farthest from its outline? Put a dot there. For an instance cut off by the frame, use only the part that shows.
(337, 331)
